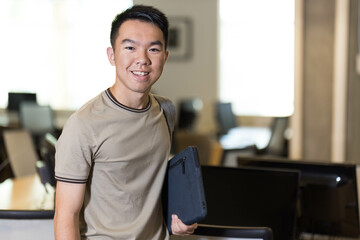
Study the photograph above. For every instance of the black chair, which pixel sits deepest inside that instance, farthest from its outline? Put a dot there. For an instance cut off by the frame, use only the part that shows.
(225, 117)
(229, 155)
(16, 98)
(189, 110)
(221, 232)
(278, 143)
(46, 166)
(45, 171)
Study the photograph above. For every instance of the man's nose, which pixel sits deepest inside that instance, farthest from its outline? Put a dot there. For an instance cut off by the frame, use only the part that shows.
(143, 58)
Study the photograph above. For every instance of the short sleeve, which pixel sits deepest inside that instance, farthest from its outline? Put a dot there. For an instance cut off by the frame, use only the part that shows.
(73, 155)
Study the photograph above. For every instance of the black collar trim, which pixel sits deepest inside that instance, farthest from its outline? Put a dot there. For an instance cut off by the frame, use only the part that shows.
(113, 99)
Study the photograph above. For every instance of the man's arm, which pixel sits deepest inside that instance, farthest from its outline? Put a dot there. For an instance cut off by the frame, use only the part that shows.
(69, 200)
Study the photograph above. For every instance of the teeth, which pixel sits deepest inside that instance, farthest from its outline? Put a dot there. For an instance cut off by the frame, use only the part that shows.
(140, 73)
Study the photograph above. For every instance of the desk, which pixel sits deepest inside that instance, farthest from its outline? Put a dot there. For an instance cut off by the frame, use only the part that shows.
(22, 204)
(242, 140)
(26, 193)
(241, 137)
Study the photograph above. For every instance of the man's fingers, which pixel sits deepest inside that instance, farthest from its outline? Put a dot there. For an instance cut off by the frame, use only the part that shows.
(179, 228)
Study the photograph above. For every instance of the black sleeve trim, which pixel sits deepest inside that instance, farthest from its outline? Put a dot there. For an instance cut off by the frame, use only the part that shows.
(70, 180)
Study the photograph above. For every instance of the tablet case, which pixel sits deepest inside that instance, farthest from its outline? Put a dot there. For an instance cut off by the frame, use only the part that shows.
(183, 192)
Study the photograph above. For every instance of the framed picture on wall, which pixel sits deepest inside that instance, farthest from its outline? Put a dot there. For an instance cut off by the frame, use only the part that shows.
(180, 38)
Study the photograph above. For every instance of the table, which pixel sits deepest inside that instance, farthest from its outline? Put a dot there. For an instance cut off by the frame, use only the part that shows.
(243, 140)
(26, 209)
(241, 137)
(26, 193)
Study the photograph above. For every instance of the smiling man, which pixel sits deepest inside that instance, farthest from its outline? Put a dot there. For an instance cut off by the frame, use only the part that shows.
(112, 155)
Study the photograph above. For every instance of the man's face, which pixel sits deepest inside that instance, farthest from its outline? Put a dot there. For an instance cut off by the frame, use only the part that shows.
(139, 56)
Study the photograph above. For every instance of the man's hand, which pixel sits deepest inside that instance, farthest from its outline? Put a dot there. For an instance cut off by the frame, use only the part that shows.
(179, 228)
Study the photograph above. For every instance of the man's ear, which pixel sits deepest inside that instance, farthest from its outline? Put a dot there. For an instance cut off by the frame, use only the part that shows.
(166, 55)
(111, 55)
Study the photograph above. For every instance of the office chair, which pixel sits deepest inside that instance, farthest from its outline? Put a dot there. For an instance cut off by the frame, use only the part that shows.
(21, 152)
(5, 169)
(207, 232)
(46, 172)
(278, 143)
(229, 155)
(225, 117)
(27, 224)
(189, 110)
(46, 166)
(16, 98)
(37, 119)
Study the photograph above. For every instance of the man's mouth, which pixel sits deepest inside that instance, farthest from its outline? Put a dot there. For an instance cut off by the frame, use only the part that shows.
(140, 73)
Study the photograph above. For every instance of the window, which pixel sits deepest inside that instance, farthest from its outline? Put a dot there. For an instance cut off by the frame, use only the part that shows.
(257, 56)
(56, 49)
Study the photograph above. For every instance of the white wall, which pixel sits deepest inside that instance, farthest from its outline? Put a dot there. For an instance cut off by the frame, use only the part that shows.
(196, 77)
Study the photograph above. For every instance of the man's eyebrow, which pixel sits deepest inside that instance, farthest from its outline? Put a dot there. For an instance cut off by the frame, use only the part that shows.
(159, 43)
(127, 40)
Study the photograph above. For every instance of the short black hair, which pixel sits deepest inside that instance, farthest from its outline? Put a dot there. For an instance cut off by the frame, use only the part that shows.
(142, 13)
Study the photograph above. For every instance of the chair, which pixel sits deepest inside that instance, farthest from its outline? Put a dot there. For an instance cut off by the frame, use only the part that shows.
(21, 152)
(46, 167)
(15, 99)
(207, 232)
(46, 173)
(188, 112)
(278, 143)
(37, 119)
(229, 155)
(27, 224)
(225, 117)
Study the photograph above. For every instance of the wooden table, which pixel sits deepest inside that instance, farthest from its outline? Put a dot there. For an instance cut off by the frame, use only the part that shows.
(26, 193)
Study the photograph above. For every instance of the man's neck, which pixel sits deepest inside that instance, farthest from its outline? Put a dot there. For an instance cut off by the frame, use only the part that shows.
(133, 100)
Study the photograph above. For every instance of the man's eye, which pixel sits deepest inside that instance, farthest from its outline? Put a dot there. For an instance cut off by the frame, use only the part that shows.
(129, 48)
(154, 50)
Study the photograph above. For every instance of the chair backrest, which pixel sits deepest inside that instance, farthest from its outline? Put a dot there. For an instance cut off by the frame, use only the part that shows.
(46, 166)
(277, 143)
(15, 99)
(225, 117)
(189, 110)
(36, 118)
(45, 171)
(20, 151)
(205, 232)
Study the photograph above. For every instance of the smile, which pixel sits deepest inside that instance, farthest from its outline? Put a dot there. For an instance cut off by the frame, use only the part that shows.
(140, 73)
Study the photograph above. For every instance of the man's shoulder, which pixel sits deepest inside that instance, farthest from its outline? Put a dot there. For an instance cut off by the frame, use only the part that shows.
(169, 109)
(91, 105)
(85, 112)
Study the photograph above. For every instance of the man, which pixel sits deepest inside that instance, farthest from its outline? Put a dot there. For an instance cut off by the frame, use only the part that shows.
(112, 155)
